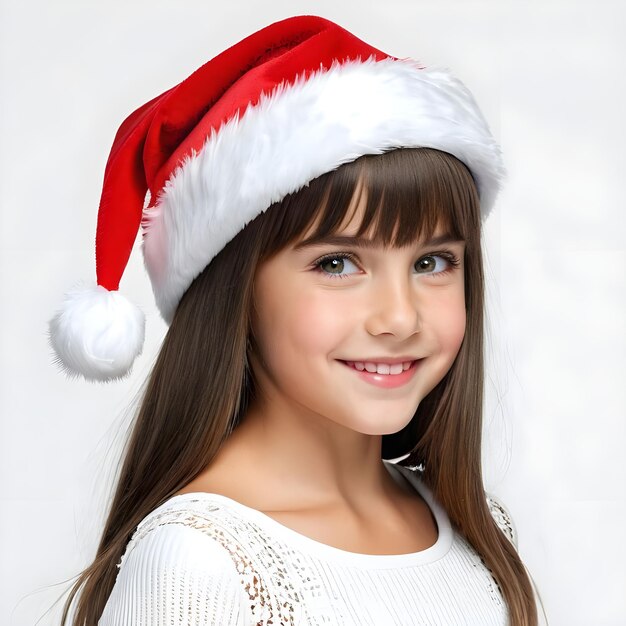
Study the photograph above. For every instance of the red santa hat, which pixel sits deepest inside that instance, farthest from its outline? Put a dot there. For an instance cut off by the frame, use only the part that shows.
(259, 121)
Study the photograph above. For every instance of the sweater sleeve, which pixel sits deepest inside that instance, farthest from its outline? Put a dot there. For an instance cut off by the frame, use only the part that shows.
(178, 576)
(503, 518)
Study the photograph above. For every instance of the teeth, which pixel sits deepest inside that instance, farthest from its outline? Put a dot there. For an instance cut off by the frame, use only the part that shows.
(380, 368)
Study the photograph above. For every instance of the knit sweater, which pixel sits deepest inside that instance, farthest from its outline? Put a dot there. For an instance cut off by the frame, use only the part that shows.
(204, 559)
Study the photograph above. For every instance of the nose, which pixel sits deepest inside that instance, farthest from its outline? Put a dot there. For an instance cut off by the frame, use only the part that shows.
(394, 308)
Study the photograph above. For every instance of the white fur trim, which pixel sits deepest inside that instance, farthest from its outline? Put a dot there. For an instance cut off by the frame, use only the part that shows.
(97, 333)
(295, 134)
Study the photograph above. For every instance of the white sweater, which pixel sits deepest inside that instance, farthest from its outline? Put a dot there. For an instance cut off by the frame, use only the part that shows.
(204, 559)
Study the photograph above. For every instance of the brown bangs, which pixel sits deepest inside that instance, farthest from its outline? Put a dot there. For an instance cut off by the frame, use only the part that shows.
(409, 192)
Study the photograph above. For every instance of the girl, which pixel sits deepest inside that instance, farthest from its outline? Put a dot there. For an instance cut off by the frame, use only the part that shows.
(312, 215)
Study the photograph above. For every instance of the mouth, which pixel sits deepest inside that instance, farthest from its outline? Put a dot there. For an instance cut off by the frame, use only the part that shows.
(385, 376)
(381, 367)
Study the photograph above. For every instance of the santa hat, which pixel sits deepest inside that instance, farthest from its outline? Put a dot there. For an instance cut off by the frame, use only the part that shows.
(259, 121)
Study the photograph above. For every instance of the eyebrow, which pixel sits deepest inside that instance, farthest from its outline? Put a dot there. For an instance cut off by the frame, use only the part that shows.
(360, 242)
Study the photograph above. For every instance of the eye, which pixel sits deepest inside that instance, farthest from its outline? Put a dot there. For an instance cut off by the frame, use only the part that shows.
(333, 264)
(451, 260)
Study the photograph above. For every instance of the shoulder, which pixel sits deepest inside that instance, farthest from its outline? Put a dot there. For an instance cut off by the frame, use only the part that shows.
(173, 567)
(178, 538)
(180, 524)
(502, 518)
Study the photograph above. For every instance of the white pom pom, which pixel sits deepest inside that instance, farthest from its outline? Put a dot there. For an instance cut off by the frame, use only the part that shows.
(97, 334)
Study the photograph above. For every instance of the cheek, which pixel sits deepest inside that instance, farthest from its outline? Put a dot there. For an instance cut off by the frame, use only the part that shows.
(295, 335)
(292, 323)
(311, 322)
(452, 324)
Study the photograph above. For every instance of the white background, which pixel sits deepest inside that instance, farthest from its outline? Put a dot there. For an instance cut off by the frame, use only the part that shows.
(549, 77)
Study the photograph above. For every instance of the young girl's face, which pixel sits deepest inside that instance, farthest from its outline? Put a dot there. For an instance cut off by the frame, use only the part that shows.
(315, 309)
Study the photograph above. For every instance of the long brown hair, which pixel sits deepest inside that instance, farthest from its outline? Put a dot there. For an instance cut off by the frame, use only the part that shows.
(201, 383)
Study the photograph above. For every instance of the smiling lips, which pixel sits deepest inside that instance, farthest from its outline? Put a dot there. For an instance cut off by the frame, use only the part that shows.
(384, 375)
(381, 368)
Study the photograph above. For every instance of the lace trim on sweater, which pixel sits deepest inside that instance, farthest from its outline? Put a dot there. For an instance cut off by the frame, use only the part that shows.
(502, 518)
(273, 598)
